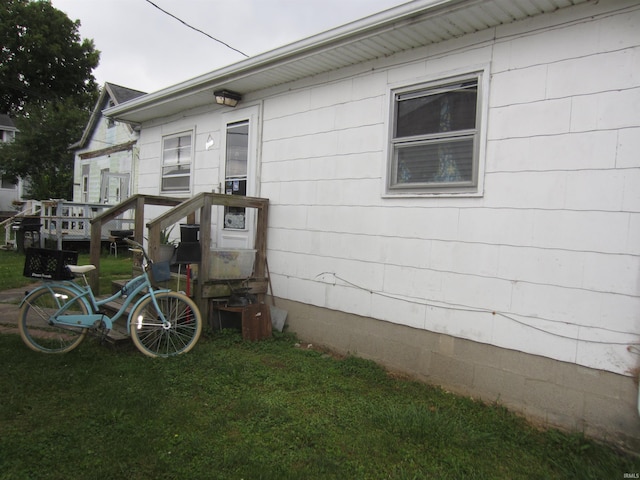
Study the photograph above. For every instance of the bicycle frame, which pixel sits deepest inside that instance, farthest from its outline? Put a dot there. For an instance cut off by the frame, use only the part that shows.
(56, 316)
(85, 294)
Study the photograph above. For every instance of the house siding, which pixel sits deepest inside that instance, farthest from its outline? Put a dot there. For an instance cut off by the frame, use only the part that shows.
(557, 169)
(14, 193)
(508, 294)
(548, 392)
(116, 162)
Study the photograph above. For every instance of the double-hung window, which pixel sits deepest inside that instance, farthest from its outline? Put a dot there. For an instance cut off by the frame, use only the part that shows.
(435, 138)
(177, 155)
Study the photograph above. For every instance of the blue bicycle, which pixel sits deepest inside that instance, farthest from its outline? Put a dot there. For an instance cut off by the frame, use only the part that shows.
(56, 316)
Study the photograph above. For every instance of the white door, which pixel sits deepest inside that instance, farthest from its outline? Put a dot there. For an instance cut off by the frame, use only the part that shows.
(239, 147)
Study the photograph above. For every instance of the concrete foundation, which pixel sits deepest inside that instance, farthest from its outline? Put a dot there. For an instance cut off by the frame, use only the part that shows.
(548, 392)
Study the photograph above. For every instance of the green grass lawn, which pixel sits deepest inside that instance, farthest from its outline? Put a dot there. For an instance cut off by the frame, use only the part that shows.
(111, 268)
(264, 410)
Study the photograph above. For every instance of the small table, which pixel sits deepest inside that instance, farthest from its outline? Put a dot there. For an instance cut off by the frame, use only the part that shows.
(255, 318)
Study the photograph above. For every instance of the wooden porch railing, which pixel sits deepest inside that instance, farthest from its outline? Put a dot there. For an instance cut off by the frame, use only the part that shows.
(204, 202)
(135, 203)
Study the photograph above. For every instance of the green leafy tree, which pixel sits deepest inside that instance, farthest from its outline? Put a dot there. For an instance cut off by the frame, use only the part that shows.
(42, 57)
(47, 85)
(41, 150)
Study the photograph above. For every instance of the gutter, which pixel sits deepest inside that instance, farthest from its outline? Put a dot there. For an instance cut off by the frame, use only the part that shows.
(387, 20)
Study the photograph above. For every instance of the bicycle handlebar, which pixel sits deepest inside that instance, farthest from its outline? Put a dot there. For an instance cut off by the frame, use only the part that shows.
(138, 247)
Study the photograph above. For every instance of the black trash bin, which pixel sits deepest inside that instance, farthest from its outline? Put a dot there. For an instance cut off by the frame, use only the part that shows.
(188, 250)
(27, 232)
(189, 232)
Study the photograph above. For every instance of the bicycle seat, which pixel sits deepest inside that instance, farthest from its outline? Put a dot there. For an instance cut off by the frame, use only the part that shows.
(81, 269)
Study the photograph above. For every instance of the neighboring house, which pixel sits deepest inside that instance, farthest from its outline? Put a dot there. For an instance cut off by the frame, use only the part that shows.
(106, 155)
(11, 188)
(453, 192)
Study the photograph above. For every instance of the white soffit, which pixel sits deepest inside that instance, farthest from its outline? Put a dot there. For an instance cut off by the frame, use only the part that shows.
(408, 26)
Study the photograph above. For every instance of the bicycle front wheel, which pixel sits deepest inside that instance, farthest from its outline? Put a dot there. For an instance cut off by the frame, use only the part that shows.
(178, 333)
(37, 325)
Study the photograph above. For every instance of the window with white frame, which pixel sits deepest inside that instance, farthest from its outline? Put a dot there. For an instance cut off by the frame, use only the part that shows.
(177, 155)
(435, 137)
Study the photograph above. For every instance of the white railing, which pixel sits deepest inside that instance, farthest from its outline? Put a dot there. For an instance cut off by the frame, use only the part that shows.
(71, 221)
(31, 207)
(63, 221)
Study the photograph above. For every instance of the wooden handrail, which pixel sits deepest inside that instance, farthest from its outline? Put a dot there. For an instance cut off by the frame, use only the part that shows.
(204, 202)
(182, 208)
(137, 203)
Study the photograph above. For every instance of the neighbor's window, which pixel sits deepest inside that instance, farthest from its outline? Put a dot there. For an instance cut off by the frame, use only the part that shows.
(176, 162)
(434, 145)
(8, 182)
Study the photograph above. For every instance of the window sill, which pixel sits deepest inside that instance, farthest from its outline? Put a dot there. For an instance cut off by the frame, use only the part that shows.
(173, 193)
(443, 194)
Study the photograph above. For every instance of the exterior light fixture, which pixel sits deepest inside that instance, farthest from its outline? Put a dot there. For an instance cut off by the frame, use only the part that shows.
(227, 97)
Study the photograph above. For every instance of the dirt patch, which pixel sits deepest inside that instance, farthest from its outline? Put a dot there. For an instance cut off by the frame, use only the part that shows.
(8, 329)
(318, 348)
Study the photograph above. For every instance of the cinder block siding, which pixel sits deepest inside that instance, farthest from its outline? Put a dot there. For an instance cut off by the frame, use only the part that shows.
(554, 240)
(548, 392)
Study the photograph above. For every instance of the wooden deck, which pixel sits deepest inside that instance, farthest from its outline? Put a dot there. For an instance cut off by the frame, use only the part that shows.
(64, 221)
(61, 221)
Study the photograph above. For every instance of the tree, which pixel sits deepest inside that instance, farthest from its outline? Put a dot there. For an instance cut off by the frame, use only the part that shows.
(42, 57)
(41, 150)
(47, 85)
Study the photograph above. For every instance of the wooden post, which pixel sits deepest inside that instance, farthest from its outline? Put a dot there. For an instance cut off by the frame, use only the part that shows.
(154, 240)
(138, 232)
(59, 225)
(205, 248)
(94, 255)
(261, 240)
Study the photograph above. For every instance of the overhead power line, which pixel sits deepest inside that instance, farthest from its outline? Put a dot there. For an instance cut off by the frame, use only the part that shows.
(196, 29)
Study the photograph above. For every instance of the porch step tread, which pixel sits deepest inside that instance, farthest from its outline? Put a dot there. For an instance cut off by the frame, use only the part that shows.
(118, 334)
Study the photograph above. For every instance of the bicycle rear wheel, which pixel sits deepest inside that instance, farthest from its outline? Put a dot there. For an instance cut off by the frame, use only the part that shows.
(37, 327)
(178, 335)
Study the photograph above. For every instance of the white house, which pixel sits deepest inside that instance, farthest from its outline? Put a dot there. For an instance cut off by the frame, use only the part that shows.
(453, 193)
(11, 189)
(106, 155)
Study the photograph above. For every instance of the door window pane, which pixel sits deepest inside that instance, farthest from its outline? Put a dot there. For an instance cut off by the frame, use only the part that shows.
(237, 159)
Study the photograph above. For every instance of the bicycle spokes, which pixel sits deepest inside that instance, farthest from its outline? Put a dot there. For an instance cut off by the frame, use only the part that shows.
(168, 325)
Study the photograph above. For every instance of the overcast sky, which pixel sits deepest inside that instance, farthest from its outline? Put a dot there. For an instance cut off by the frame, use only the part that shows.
(145, 49)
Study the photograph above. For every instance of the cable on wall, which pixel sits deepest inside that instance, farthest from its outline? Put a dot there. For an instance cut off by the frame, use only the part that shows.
(508, 316)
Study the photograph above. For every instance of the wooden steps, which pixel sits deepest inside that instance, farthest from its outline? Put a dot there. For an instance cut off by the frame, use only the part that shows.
(118, 335)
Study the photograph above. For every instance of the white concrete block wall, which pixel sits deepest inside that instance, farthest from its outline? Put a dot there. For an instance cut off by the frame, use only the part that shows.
(150, 144)
(628, 148)
(587, 150)
(553, 243)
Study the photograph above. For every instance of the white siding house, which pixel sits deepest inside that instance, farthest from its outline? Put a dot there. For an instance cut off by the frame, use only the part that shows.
(453, 192)
(105, 156)
(11, 189)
